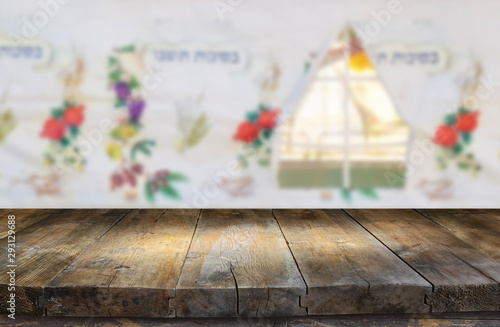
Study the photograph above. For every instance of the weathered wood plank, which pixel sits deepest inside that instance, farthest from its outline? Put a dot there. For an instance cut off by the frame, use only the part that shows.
(46, 247)
(131, 271)
(478, 227)
(476, 320)
(238, 264)
(464, 278)
(24, 218)
(346, 269)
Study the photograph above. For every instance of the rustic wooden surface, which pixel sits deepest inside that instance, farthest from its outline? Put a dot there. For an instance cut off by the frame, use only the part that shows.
(482, 319)
(253, 264)
(23, 218)
(139, 260)
(464, 278)
(479, 228)
(46, 247)
(346, 269)
(239, 265)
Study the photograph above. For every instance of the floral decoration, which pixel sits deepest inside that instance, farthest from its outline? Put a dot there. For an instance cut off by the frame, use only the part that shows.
(255, 133)
(126, 145)
(454, 136)
(62, 129)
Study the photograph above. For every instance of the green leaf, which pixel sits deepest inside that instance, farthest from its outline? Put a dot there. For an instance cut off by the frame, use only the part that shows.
(463, 110)
(463, 166)
(369, 193)
(170, 192)
(150, 195)
(267, 133)
(74, 131)
(67, 104)
(467, 138)
(57, 113)
(134, 83)
(120, 104)
(128, 48)
(252, 116)
(176, 177)
(346, 195)
(258, 143)
(143, 147)
(115, 75)
(458, 148)
(112, 61)
(64, 141)
(263, 107)
(450, 119)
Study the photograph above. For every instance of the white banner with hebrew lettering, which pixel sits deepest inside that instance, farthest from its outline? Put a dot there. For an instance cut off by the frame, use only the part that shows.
(385, 103)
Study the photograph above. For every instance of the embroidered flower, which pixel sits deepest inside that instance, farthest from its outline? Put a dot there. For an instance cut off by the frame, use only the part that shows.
(53, 129)
(267, 119)
(467, 122)
(73, 116)
(446, 136)
(247, 132)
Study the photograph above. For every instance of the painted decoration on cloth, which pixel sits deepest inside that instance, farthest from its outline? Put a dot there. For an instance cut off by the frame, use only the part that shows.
(204, 111)
(127, 146)
(62, 131)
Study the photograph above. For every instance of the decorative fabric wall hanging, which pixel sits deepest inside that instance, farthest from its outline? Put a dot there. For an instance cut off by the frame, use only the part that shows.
(127, 146)
(62, 155)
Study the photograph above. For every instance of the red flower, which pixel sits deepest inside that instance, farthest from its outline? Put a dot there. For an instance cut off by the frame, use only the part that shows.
(267, 119)
(73, 116)
(53, 129)
(467, 122)
(247, 132)
(446, 136)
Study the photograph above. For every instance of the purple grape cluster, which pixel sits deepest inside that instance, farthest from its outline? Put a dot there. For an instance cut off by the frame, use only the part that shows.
(122, 91)
(135, 109)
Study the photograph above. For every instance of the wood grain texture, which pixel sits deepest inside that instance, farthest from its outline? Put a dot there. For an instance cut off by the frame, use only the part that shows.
(46, 247)
(238, 265)
(464, 278)
(130, 271)
(435, 320)
(346, 269)
(24, 218)
(478, 227)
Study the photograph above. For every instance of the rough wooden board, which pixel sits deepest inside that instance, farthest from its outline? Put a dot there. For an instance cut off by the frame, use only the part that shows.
(238, 264)
(477, 320)
(46, 247)
(24, 218)
(478, 227)
(464, 278)
(130, 271)
(346, 269)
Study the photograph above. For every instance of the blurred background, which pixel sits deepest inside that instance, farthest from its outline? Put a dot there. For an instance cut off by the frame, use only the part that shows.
(249, 103)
